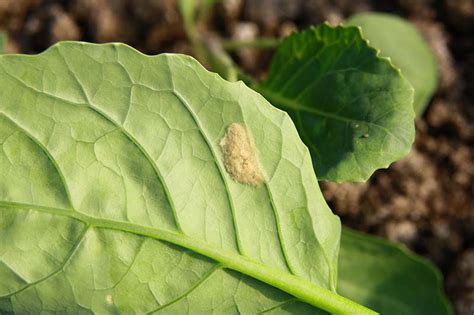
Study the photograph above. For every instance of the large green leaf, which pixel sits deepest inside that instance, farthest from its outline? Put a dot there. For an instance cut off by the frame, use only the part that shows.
(400, 40)
(389, 278)
(114, 195)
(352, 109)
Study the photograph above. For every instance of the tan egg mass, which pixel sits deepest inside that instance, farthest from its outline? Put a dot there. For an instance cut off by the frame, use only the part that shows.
(240, 160)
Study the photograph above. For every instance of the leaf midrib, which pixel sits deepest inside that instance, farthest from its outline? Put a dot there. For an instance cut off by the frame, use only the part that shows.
(298, 287)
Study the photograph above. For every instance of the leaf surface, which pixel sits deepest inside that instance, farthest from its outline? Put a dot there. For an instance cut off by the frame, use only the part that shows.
(389, 278)
(352, 108)
(398, 39)
(114, 196)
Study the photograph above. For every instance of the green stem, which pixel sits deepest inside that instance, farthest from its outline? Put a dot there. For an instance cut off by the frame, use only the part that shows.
(263, 43)
(219, 61)
(188, 10)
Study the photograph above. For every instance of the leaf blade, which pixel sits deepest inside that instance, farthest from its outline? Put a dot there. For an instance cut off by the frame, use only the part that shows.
(102, 117)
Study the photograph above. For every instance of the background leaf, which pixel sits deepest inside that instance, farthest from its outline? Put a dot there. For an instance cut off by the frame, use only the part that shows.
(389, 278)
(352, 109)
(398, 39)
(114, 195)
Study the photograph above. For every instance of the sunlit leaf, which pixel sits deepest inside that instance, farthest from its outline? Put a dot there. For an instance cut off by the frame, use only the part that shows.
(115, 195)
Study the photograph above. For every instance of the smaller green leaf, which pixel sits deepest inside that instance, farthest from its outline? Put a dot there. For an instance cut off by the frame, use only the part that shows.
(398, 39)
(389, 278)
(352, 108)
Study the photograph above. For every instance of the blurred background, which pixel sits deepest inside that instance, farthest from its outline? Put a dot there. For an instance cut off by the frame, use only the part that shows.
(425, 201)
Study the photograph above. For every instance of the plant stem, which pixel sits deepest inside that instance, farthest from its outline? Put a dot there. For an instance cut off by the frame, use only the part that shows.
(188, 10)
(263, 43)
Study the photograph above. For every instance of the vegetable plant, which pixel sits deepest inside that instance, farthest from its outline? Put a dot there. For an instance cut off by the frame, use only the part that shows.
(147, 184)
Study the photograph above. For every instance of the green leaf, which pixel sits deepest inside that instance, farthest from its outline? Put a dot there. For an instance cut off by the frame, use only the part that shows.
(352, 109)
(114, 195)
(398, 39)
(389, 278)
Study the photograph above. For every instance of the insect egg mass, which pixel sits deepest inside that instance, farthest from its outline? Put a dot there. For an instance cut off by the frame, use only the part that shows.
(240, 160)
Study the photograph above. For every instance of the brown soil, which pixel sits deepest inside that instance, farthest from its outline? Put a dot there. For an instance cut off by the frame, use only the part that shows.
(425, 201)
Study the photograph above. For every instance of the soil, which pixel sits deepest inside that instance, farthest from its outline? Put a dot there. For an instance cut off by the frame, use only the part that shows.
(425, 201)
